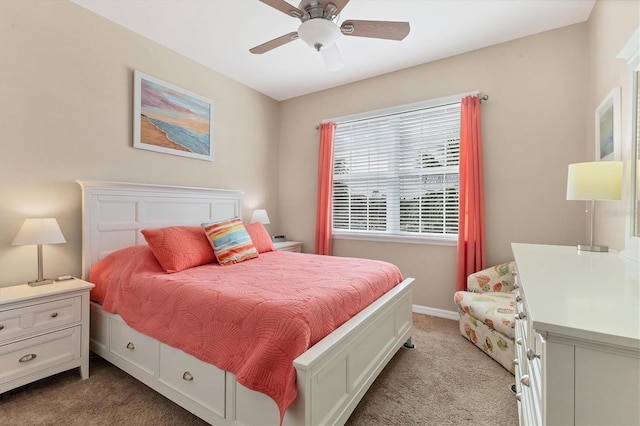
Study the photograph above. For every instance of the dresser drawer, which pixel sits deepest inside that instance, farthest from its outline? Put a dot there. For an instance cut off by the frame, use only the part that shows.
(28, 320)
(38, 353)
(134, 347)
(198, 381)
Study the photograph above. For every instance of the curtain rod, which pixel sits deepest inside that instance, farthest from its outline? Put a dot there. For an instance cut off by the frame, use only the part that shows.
(480, 97)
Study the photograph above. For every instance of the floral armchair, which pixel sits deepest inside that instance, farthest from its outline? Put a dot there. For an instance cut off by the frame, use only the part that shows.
(487, 311)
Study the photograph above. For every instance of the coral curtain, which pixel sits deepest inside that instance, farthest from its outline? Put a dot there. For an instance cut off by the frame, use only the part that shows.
(324, 212)
(471, 234)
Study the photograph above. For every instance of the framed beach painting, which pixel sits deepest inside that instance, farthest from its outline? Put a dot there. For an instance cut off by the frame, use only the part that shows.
(172, 120)
(608, 127)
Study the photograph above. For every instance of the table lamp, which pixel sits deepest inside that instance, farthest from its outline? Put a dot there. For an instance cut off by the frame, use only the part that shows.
(260, 215)
(591, 181)
(39, 232)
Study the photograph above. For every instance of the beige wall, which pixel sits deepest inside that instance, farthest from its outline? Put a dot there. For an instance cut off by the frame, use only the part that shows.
(66, 84)
(533, 126)
(610, 26)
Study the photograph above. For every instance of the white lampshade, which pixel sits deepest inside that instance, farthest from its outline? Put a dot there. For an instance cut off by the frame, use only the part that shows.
(319, 33)
(260, 215)
(39, 231)
(596, 180)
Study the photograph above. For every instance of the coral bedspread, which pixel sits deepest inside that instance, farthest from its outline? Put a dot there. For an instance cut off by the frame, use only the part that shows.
(252, 318)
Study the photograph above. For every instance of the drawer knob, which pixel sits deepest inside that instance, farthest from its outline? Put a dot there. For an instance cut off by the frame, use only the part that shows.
(187, 376)
(54, 314)
(525, 380)
(519, 396)
(519, 340)
(516, 361)
(131, 346)
(520, 315)
(518, 298)
(516, 285)
(27, 358)
(531, 355)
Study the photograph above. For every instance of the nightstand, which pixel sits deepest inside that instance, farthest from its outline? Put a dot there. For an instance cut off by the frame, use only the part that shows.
(43, 331)
(294, 246)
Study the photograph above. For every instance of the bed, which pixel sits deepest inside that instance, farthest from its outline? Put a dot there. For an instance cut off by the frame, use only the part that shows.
(330, 377)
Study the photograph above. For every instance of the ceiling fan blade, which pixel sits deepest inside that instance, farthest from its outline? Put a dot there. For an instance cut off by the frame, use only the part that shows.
(276, 42)
(284, 7)
(339, 4)
(376, 29)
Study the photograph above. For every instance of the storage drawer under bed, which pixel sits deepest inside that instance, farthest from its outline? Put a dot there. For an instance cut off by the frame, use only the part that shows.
(134, 347)
(198, 381)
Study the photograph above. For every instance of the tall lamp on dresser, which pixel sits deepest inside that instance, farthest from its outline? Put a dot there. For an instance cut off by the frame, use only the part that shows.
(596, 180)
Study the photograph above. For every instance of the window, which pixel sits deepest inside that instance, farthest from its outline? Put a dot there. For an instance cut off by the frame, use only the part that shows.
(396, 173)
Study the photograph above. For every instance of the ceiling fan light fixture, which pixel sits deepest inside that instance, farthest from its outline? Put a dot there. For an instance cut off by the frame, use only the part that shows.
(319, 33)
(332, 58)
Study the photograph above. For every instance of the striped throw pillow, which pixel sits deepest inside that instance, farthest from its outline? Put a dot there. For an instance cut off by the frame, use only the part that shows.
(230, 241)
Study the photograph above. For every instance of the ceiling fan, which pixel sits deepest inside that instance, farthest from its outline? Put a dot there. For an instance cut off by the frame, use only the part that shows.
(320, 30)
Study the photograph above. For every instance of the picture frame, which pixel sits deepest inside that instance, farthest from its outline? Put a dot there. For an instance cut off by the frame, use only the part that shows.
(608, 127)
(171, 120)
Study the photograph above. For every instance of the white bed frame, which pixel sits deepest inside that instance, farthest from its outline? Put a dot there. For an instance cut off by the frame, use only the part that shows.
(332, 376)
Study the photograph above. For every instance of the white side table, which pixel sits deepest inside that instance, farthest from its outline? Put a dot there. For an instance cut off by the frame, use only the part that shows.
(294, 246)
(43, 331)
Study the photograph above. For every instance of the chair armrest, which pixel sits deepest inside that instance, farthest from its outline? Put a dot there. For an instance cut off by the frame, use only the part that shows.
(495, 279)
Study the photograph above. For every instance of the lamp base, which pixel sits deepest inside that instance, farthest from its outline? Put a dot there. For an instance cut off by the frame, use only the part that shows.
(40, 282)
(601, 249)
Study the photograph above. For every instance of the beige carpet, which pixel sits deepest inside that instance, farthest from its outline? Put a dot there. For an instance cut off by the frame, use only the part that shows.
(444, 381)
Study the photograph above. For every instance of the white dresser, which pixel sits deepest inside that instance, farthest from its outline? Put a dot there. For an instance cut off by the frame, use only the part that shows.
(43, 330)
(578, 337)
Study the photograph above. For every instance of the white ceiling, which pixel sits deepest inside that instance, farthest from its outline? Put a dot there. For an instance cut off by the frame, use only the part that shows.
(219, 34)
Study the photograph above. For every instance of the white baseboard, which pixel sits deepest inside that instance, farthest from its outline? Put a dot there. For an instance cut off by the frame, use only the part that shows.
(435, 312)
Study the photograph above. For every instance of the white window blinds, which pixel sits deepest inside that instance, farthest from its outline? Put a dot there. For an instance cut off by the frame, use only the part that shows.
(397, 174)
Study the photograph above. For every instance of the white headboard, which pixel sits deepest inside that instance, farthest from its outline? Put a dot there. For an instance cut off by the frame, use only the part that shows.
(114, 213)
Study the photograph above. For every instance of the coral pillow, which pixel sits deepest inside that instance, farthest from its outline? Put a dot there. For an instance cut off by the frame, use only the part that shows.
(179, 247)
(230, 241)
(260, 237)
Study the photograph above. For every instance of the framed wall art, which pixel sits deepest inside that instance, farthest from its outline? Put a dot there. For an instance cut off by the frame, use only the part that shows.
(171, 120)
(608, 127)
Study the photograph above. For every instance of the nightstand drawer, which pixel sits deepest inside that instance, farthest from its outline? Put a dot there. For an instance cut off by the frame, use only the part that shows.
(293, 246)
(38, 353)
(15, 323)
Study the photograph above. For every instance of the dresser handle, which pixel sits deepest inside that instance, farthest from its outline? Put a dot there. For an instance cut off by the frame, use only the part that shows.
(519, 341)
(54, 314)
(520, 315)
(131, 346)
(531, 355)
(519, 396)
(27, 358)
(518, 298)
(187, 376)
(516, 285)
(516, 361)
(525, 380)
